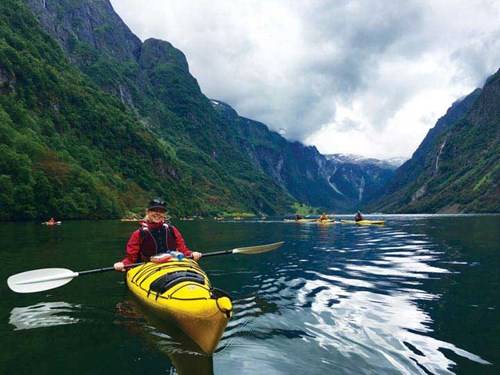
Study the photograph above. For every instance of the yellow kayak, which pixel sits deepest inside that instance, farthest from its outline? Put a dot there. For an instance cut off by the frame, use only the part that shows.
(363, 222)
(180, 292)
(325, 222)
(299, 221)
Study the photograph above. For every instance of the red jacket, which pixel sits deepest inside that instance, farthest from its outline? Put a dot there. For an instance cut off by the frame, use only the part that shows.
(135, 245)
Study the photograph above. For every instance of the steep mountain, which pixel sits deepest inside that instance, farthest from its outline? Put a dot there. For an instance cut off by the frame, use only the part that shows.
(155, 134)
(67, 148)
(456, 167)
(251, 168)
(333, 182)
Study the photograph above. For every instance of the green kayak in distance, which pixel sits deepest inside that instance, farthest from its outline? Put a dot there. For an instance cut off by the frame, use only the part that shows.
(363, 222)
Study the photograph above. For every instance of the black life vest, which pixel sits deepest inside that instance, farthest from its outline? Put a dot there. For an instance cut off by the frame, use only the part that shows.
(157, 241)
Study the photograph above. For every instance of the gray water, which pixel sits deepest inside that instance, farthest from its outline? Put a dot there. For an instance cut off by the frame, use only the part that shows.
(418, 295)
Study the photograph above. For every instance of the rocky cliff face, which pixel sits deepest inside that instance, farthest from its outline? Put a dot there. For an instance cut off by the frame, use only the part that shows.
(7, 81)
(456, 168)
(92, 22)
(96, 39)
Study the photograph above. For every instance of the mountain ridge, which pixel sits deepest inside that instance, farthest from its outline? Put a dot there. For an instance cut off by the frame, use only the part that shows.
(156, 83)
(456, 167)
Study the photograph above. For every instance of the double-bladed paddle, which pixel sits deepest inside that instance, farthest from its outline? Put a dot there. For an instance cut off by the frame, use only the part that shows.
(50, 278)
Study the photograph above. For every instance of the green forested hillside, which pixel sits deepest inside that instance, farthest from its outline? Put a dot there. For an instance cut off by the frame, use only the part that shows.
(153, 80)
(94, 121)
(67, 149)
(70, 150)
(457, 166)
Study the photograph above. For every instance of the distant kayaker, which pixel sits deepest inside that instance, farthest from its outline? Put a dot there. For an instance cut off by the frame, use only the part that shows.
(358, 217)
(51, 221)
(155, 236)
(323, 217)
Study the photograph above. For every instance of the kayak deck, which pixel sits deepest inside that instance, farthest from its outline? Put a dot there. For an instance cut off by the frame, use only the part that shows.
(180, 292)
(299, 221)
(363, 222)
(311, 221)
(325, 222)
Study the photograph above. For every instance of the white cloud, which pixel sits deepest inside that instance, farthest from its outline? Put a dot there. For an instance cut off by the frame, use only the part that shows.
(347, 76)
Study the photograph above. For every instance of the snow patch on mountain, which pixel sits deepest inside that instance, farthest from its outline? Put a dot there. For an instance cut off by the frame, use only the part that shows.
(391, 163)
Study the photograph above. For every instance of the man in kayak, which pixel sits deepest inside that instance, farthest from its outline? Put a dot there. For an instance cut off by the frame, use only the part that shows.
(154, 237)
(323, 217)
(358, 217)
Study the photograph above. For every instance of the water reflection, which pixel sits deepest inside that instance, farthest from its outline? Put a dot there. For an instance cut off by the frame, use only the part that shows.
(44, 314)
(413, 297)
(184, 354)
(353, 301)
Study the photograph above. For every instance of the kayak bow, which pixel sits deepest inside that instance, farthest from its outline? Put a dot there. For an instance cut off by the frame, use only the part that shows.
(180, 292)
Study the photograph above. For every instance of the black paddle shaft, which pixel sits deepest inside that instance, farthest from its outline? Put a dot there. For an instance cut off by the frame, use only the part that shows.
(106, 269)
(222, 252)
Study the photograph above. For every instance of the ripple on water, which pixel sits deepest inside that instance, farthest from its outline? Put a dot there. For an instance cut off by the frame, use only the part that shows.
(44, 314)
(355, 306)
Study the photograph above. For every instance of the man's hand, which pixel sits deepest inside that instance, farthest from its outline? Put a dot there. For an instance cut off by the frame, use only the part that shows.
(119, 266)
(196, 255)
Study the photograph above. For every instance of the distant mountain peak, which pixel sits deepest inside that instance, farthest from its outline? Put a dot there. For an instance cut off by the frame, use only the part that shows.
(391, 163)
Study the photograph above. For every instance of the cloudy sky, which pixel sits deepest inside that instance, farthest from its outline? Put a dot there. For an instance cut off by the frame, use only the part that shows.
(365, 77)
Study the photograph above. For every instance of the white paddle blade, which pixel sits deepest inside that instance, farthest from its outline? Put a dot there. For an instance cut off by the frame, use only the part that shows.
(40, 280)
(258, 249)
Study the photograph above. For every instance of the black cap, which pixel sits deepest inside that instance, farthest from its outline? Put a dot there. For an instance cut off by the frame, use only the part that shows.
(157, 203)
